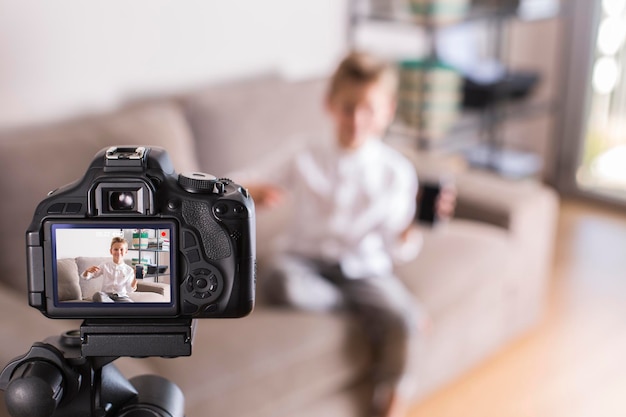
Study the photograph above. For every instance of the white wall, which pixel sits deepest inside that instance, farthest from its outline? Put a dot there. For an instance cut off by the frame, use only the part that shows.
(76, 242)
(63, 57)
(72, 243)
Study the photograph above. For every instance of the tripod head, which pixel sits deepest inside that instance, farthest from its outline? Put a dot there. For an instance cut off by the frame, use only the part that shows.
(73, 374)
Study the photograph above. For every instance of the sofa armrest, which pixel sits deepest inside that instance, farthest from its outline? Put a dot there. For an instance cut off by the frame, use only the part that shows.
(526, 209)
(515, 205)
(156, 287)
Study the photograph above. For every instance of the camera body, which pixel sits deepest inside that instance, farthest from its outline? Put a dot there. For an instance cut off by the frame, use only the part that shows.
(193, 232)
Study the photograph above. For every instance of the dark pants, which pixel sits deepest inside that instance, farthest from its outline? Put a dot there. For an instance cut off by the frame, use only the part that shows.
(388, 311)
(109, 297)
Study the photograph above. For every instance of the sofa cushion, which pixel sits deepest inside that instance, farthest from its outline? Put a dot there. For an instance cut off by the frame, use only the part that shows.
(480, 253)
(68, 280)
(273, 360)
(43, 158)
(147, 292)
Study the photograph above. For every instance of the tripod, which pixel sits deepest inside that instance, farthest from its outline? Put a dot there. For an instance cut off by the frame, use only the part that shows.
(73, 374)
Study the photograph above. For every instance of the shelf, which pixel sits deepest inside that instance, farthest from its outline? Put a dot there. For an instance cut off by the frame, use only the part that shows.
(470, 123)
(148, 248)
(514, 110)
(427, 116)
(379, 11)
(473, 14)
(508, 163)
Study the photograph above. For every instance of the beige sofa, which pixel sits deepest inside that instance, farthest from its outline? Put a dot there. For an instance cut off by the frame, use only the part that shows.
(73, 288)
(483, 276)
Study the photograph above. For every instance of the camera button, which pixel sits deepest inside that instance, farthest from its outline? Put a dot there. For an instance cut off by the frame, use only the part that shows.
(201, 295)
(73, 208)
(189, 308)
(220, 188)
(211, 308)
(57, 208)
(221, 209)
(189, 240)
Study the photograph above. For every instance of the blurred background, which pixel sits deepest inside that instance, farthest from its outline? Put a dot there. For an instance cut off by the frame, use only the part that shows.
(68, 57)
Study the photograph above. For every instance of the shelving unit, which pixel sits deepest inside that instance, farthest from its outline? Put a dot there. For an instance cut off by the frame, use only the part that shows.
(477, 134)
(152, 252)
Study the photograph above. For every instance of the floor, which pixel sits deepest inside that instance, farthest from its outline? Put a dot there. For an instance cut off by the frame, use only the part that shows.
(574, 363)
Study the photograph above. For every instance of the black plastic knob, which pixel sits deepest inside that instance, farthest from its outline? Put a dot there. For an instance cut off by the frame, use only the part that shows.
(199, 182)
(37, 392)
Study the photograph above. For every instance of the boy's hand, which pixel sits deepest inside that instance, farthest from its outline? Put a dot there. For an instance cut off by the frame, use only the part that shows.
(407, 244)
(266, 195)
(409, 234)
(134, 284)
(446, 202)
(92, 269)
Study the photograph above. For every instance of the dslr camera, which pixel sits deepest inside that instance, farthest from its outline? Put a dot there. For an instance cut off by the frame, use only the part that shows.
(193, 233)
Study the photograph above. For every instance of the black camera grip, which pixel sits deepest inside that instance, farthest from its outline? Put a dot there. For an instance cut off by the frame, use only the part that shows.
(215, 240)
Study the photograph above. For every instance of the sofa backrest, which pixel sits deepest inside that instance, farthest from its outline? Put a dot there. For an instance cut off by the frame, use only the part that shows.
(217, 129)
(89, 287)
(68, 280)
(235, 124)
(38, 159)
(70, 284)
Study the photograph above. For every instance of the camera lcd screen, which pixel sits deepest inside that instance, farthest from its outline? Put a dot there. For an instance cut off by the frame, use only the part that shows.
(113, 266)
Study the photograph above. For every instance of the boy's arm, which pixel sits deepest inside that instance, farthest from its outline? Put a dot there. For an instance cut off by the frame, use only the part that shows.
(91, 272)
(403, 236)
(269, 180)
(407, 245)
(266, 195)
(131, 281)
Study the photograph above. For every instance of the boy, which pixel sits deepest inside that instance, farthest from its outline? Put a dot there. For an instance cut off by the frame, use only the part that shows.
(355, 202)
(119, 278)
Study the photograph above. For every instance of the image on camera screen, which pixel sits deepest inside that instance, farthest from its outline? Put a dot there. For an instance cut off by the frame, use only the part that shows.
(112, 265)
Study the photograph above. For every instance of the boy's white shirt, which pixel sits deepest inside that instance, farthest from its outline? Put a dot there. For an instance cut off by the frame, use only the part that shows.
(350, 205)
(122, 275)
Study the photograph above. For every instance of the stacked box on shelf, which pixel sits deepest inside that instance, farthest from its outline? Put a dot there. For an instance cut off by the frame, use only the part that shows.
(438, 12)
(429, 98)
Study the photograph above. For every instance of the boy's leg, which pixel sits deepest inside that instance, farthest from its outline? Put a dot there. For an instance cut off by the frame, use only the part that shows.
(297, 281)
(390, 315)
(101, 297)
(121, 299)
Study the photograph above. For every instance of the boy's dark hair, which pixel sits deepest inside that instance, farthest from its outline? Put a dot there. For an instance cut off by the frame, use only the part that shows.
(362, 68)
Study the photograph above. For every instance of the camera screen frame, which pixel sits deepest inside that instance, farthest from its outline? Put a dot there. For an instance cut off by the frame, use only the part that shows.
(58, 232)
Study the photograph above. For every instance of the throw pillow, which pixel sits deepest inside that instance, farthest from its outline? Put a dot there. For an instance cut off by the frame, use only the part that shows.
(67, 280)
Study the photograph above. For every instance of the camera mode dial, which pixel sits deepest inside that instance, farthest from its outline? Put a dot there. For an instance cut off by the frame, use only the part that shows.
(199, 182)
